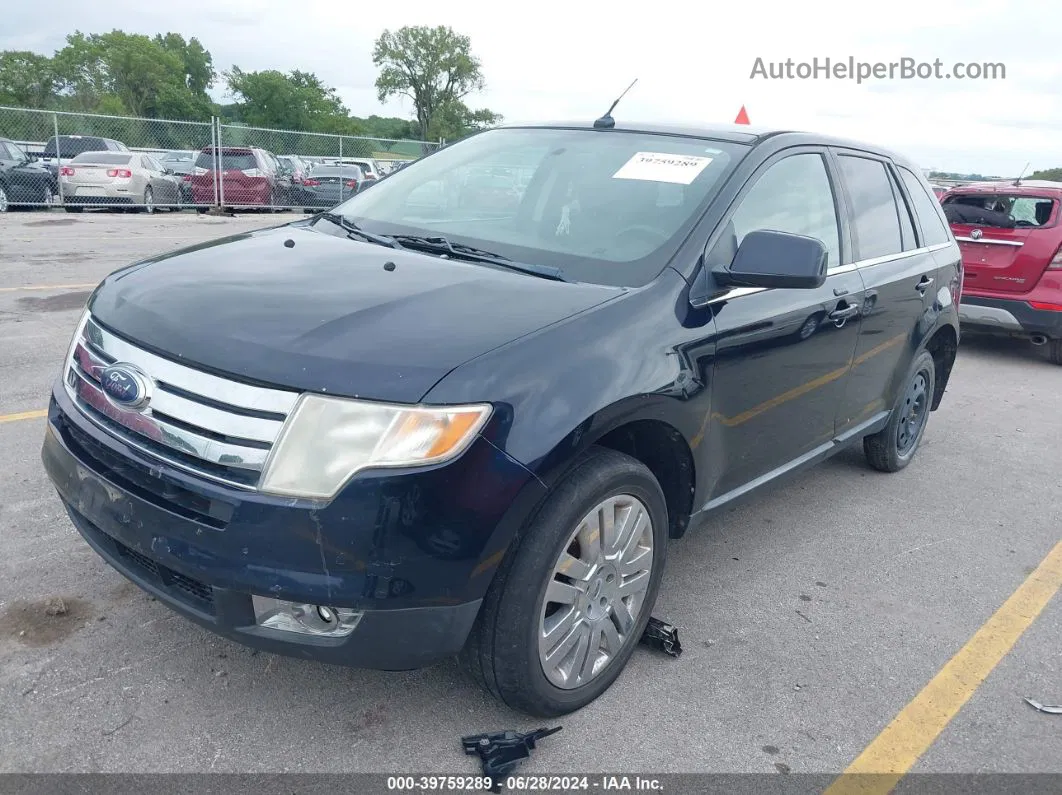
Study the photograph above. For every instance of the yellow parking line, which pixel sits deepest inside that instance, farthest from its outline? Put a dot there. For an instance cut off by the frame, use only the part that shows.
(47, 287)
(900, 745)
(24, 415)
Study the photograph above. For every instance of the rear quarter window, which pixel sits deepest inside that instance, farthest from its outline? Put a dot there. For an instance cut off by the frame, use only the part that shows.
(926, 207)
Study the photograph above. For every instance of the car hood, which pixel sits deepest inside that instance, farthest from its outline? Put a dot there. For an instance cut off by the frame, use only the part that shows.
(309, 310)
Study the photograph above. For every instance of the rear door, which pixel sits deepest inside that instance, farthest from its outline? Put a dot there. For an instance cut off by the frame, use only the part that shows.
(899, 275)
(1007, 241)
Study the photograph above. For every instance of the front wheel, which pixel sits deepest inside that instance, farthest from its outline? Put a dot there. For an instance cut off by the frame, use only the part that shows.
(149, 201)
(892, 448)
(4, 203)
(571, 601)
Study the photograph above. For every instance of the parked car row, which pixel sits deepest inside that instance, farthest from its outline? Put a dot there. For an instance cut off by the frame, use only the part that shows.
(84, 170)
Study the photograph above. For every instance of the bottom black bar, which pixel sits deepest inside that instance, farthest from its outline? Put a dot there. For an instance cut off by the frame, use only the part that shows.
(671, 783)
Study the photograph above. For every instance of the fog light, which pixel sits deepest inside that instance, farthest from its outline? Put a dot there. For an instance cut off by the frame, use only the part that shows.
(305, 619)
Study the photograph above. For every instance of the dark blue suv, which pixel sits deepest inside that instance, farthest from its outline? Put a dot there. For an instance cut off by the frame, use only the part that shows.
(426, 423)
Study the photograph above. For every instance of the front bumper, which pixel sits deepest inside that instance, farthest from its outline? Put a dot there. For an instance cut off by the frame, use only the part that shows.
(1008, 316)
(203, 550)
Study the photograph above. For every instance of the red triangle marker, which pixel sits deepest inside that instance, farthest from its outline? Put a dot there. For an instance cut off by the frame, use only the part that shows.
(742, 117)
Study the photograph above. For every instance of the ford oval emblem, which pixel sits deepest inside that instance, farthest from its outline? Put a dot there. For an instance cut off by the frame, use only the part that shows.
(126, 386)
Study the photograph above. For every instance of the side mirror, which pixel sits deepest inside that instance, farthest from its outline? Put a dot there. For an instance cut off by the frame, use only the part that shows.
(170, 171)
(767, 258)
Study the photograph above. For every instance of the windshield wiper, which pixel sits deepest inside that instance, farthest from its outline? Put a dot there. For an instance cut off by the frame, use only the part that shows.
(353, 230)
(439, 244)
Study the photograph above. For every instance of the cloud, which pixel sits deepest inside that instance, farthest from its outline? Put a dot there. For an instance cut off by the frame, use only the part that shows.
(561, 59)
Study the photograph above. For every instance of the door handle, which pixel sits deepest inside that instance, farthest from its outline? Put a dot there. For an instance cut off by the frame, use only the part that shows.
(923, 285)
(840, 315)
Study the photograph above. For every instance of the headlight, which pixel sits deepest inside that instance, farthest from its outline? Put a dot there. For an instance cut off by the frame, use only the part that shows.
(326, 440)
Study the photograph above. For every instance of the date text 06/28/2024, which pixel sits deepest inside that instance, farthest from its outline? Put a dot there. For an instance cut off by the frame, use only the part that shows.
(532, 783)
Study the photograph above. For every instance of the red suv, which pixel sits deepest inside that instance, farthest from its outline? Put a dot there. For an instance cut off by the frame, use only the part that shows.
(248, 177)
(1010, 238)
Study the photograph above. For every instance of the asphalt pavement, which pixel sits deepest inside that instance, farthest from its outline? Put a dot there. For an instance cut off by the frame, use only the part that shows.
(809, 616)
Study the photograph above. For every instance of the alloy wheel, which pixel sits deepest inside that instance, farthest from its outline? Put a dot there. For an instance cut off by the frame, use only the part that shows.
(3, 201)
(596, 592)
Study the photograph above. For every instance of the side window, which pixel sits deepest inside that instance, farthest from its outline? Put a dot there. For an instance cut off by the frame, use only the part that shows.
(877, 223)
(926, 206)
(793, 195)
(907, 232)
(145, 161)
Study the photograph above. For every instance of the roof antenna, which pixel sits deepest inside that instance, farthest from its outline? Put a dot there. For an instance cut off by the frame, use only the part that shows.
(606, 122)
(1017, 182)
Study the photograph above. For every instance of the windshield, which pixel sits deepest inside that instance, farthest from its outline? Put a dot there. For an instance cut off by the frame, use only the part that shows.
(604, 207)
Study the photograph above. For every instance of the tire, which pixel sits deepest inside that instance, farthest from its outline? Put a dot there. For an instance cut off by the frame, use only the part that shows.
(178, 202)
(1054, 351)
(503, 649)
(809, 326)
(149, 201)
(893, 448)
(5, 205)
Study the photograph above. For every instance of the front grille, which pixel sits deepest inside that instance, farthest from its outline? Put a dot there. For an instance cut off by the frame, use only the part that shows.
(198, 422)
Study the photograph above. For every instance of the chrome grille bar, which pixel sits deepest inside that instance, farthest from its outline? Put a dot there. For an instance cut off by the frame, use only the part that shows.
(201, 423)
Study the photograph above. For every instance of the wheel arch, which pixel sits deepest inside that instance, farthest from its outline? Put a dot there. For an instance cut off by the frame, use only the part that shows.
(645, 434)
(942, 345)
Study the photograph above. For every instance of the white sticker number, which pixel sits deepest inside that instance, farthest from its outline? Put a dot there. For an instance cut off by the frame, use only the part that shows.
(663, 167)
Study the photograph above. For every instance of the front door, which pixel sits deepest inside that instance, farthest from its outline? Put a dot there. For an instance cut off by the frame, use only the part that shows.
(783, 355)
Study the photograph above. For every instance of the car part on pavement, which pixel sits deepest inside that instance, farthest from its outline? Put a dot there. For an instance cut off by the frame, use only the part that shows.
(501, 752)
(1050, 709)
(661, 636)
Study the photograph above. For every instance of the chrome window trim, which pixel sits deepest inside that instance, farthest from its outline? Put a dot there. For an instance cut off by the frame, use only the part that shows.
(738, 292)
(966, 239)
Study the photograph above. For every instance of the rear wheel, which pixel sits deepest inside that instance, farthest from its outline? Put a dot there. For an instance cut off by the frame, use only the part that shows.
(4, 204)
(1054, 351)
(570, 602)
(893, 448)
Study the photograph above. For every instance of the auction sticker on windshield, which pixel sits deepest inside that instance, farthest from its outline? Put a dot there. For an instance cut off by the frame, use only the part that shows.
(663, 167)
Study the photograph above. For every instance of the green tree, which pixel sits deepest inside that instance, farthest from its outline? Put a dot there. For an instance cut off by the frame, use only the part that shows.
(455, 120)
(434, 67)
(164, 77)
(295, 101)
(1049, 174)
(27, 79)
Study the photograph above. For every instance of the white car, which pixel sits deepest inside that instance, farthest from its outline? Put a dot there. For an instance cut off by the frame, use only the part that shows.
(108, 179)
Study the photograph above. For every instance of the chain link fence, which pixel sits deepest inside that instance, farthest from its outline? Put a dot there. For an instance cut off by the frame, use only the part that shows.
(81, 161)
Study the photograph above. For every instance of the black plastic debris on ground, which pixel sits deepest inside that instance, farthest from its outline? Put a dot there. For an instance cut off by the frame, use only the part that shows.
(501, 752)
(662, 637)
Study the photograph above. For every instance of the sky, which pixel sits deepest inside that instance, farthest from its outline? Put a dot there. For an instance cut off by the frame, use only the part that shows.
(559, 59)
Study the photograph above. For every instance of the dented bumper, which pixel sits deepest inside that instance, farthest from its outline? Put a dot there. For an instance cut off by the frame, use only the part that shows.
(414, 550)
